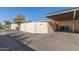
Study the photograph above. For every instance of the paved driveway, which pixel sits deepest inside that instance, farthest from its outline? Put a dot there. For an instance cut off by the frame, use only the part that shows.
(56, 41)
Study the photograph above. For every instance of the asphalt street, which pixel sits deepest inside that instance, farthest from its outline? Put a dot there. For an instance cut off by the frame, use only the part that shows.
(8, 43)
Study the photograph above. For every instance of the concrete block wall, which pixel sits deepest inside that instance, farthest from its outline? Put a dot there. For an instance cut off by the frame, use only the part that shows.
(35, 27)
(30, 27)
(22, 27)
(42, 27)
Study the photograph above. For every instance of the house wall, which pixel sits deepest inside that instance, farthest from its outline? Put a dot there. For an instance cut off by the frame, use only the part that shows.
(77, 25)
(69, 23)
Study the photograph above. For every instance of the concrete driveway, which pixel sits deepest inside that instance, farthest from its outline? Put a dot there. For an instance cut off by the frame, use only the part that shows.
(56, 41)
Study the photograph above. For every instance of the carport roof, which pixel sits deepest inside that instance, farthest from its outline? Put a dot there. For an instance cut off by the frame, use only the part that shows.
(64, 15)
(66, 11)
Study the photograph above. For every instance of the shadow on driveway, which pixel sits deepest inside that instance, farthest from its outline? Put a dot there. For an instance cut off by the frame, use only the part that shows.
(8, 43)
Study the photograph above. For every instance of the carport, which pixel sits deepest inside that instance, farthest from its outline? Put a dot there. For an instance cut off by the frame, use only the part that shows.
(68, 19)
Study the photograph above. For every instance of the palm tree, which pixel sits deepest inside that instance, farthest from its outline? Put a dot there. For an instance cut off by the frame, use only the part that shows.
(18, 20)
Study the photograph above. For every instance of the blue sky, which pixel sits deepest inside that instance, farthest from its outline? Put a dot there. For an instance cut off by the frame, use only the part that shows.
(33, 13)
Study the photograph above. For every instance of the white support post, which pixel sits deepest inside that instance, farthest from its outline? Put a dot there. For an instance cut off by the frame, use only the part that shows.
(73, 25)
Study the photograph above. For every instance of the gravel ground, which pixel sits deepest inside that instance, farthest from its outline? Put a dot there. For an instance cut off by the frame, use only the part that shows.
(56, 41)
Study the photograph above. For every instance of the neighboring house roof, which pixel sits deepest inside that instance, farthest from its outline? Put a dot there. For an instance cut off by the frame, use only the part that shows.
(49, 21)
